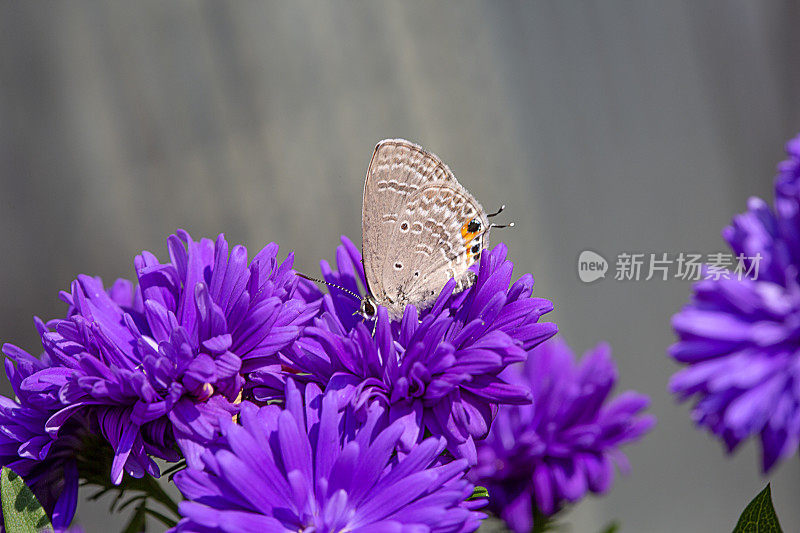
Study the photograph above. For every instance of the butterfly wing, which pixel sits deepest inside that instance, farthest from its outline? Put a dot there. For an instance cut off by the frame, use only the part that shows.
(436, 245)
(416, 228)
(398, 168)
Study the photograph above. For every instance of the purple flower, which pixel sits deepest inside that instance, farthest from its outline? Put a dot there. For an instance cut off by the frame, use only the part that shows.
(157, 364)
(48, 465)
(314, 466)
(739, 337)
(435, 370)
(566, 443)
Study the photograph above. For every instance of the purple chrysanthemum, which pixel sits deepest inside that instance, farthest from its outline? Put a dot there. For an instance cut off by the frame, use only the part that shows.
(740, 337)
(48, 465)
(436, 370)
(563, 445)
(158, 363)
(315, 466)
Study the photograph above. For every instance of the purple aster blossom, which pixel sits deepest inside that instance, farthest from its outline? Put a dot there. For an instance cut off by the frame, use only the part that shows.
(739, 338)
(157, 364)
(563, 445)
(435, 370)
(48, 465)
(316, 466)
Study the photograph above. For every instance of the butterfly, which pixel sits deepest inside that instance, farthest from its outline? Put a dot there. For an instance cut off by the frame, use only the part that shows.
(420, 228)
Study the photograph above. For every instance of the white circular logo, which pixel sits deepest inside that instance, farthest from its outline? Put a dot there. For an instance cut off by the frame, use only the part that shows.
(591, 266)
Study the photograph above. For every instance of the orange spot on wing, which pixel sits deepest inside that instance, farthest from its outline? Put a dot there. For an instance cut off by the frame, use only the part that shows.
(468, 237)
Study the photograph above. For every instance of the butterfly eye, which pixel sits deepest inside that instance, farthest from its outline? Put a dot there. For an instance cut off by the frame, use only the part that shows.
(367, 309)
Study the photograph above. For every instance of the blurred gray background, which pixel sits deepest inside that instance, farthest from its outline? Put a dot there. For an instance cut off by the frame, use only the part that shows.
(611, 126)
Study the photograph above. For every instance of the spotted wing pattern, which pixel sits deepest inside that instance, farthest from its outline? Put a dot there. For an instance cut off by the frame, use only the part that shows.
(420, 227)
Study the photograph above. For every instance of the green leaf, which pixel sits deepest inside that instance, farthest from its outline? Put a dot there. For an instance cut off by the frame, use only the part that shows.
(759, 515)
(138, 521)
(478, 492)
(613, 527)
(543, 522)
(22, 512)
(164, 519)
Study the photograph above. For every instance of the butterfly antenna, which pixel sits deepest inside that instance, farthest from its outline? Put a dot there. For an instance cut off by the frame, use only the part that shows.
(348, 291)
(509, 225)
(497, 212)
